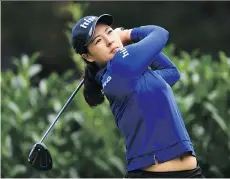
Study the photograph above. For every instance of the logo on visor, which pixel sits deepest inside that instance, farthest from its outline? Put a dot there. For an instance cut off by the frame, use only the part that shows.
(87, 21)
(90, 31)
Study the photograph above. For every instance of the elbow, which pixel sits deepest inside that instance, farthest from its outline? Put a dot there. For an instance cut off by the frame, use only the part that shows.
(177, 73)
(165, 35)
(162, 32)
(176, 76)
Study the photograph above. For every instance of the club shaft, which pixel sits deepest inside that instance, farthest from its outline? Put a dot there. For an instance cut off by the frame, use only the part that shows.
(66, 104)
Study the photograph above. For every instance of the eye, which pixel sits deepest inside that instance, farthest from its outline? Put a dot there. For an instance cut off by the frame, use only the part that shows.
(110, 31)
(97, 41)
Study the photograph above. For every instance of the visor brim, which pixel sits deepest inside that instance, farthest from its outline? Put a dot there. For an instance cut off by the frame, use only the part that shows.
(106, 19)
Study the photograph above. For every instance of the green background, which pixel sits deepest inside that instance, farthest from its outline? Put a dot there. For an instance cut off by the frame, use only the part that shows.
(40, 71)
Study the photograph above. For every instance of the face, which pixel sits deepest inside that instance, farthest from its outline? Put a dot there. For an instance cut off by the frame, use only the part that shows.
(103, 46)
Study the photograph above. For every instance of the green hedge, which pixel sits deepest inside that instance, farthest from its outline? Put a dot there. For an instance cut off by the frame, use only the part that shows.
(203, 95)
(83, 143)
(86, 142)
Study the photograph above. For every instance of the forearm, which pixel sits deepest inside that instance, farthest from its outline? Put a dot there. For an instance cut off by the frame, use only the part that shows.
(162, 62)
(140, 33)
(150, 40)
(164, 67)
(127, 37)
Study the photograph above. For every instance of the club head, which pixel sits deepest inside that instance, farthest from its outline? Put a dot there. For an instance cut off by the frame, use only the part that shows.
(40, 157)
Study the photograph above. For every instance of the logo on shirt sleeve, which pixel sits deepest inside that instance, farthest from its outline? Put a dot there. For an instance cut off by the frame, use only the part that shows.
(108, 79)
(124, 52)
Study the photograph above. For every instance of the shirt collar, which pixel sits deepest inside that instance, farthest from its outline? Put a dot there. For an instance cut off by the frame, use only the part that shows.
(100, 74)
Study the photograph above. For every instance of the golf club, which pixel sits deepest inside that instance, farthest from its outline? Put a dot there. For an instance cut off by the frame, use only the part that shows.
(40, 157)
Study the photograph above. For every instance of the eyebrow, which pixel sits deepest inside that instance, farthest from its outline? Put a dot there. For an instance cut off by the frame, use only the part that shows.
(99, 35)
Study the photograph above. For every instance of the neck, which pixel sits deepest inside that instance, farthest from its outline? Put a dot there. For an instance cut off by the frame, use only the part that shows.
(101, 65)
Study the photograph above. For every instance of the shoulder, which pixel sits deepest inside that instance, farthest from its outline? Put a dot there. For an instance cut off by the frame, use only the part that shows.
(122, 53)
(114, 84)
(121, 61)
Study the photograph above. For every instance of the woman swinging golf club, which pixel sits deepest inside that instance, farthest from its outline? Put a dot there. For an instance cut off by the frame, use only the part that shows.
(140, 97)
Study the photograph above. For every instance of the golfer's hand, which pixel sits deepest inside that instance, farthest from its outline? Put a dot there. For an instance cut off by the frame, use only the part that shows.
(124, 35)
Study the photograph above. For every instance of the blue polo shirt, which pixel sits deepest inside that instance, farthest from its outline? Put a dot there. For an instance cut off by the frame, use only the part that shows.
(137, 83)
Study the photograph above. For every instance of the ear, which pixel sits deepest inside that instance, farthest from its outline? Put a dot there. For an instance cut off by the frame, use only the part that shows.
(87, 57)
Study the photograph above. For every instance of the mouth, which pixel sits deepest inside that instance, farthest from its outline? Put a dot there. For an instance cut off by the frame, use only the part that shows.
(114, 50)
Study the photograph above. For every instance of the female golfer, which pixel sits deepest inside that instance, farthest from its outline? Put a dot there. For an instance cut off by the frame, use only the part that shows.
(136, 79)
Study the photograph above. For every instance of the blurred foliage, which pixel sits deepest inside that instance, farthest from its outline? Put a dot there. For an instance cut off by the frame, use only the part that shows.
(85, 142)
(203, 96)
(207, 28)
(39, 26)
(35, 26)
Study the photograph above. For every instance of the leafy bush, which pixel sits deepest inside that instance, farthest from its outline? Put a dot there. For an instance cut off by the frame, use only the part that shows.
(86, 142)
(203, 96)
(81, 141)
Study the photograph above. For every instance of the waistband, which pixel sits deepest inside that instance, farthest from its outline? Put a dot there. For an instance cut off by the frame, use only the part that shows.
(194, 173)
(160, 155)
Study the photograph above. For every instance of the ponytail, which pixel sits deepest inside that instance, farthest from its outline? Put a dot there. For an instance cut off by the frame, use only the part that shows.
(92, 90)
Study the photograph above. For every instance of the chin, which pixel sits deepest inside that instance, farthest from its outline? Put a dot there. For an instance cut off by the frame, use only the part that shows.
(106, 60)
(110, 57)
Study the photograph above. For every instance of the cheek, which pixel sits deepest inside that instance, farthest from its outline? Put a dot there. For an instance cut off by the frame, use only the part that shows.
(102, 53)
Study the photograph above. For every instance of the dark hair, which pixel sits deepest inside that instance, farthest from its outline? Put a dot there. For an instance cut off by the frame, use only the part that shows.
(92, 89)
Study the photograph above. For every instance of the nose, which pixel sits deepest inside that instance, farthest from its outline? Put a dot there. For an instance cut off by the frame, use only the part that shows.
(109, 40)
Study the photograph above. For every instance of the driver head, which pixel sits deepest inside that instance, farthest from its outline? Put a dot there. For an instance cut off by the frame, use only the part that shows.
(40, 157)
